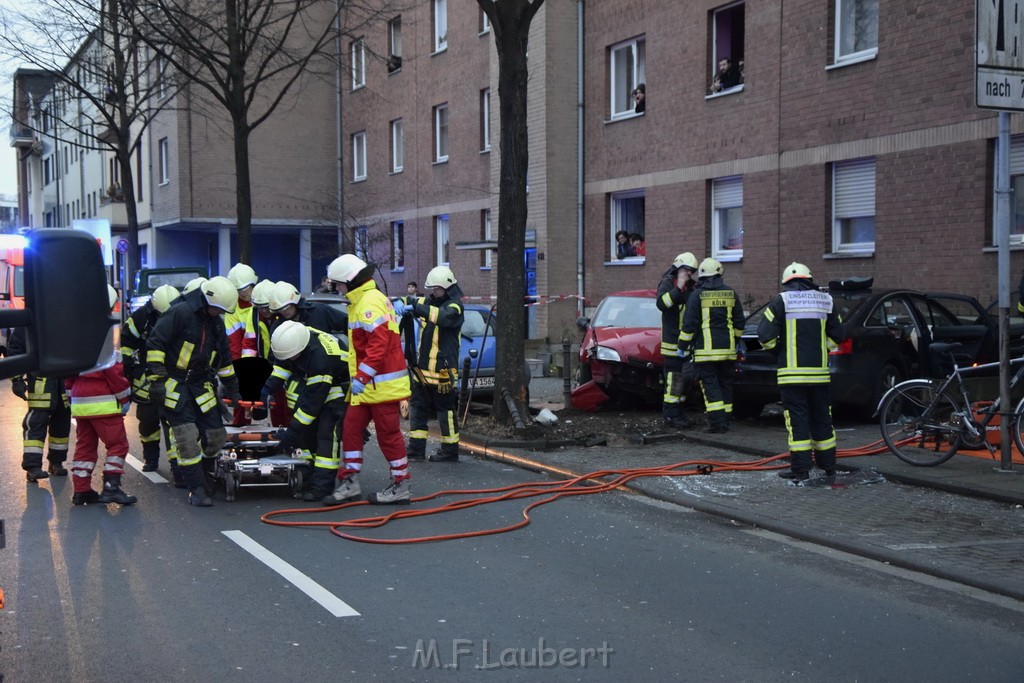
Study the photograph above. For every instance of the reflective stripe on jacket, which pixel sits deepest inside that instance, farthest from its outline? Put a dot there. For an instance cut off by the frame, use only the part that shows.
(98, 394)
(375, 348)
(713, 321)
(805, 326)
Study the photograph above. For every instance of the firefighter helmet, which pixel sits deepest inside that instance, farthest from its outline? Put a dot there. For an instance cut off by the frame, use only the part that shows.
(685, 260)
(345, 268)
(163, 297)
(194, 283)
(261, 293)
(795, 270)
(242, 276)
(441, 276)
(709, 267)
(220, 293)
(111, 296)
(289, 339)
(282, 294)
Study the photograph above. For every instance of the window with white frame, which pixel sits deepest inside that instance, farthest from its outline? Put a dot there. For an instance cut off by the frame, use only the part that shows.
(485, 120)
(856, 24)
(359, 155)
(441, 133)
(853, 205)
(626, 60)
(361, 241)
(441, 239)
(394, 45)
(440, 16)
(485, 236)
(1016, 187)
(627, 220)
(727, 218)
(397, 245)
(164, 150)
(397, 146)
(728, 36)
(485, 22)
(358, 51)
(160, 66)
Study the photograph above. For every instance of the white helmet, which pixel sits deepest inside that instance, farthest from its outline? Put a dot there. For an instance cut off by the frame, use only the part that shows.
(709, 267)
(345, 268)
(261, 293)
(795, 270)
(282, 294)
(242, 276)
(111, 296)
(163, 297)
(194, 283)
(220, 293)
(441, 276)
(289, 339)
(686, 260)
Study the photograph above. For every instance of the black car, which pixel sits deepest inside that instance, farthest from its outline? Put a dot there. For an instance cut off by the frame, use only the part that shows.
(888, 335)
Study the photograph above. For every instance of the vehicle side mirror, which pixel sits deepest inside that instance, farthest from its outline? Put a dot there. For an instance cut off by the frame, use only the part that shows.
(69, 326)
(583, 322)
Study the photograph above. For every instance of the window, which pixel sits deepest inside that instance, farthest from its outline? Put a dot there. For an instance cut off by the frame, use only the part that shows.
(727, 219)
(856, 30)
(397, 245)
(485, 236)
(359, 156)
(361, 241)
(160, 65)
(1016, 187)
(358, 64)
(627, 220)
(727, 50)
(397, 146)
(441, 133)
(440, 25)
(441, 233)
(394, 45)
(853, 205)
(485, 22)
(485, 120)
(164, 174)
(627, 71)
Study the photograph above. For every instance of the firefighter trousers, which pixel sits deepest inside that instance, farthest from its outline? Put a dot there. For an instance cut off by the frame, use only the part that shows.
(808, 412)
(40, 423)
(716, 379)
(426, 401)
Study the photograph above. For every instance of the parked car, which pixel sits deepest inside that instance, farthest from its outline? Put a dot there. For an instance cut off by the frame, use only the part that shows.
(148, 279)
(888, 335)
(621, 347)
(338, 301)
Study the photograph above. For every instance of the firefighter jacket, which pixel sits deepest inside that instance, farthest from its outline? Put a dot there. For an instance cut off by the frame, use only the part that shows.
(256, 342)
(672, 302)
(134, 333)
(43, 392)
(187, 346)
(1020, 295)
(323, 365)
(713, 321)
(802, 324)
(234, 326)
(315, 315)
(98, 394)
(441, 335)
(375, 348)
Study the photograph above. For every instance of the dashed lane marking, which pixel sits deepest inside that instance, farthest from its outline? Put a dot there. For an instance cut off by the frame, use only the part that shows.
(137, 464)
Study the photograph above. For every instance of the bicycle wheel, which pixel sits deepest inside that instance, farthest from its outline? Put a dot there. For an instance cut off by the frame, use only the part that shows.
(1017, 426)
(920, 426)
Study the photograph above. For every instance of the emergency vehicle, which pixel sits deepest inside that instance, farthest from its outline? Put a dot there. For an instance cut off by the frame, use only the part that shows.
(12, 284)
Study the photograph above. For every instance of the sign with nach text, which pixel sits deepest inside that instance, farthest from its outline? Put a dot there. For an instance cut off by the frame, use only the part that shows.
(999, 55)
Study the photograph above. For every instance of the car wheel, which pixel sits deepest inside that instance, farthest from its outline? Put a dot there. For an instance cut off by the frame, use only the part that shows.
(889, 377)
(747, 409)
(581, 375)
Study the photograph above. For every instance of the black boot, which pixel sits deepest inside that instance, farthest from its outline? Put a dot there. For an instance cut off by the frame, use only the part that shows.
(57, 469)
(150, 466)
(194, 479)
(89, 497)
(321, 484)
(36, 473)
(176, 477)
(446, 453)
(112, 492)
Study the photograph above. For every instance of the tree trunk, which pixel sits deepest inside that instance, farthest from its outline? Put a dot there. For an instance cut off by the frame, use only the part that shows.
(243, 192)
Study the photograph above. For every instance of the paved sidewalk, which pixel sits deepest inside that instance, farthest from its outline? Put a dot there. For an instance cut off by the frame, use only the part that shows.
(910, 520)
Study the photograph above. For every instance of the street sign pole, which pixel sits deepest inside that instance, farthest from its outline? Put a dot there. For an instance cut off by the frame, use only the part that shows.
(1003, 242)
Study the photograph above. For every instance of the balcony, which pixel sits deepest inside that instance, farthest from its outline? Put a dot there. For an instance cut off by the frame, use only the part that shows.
(22, 137)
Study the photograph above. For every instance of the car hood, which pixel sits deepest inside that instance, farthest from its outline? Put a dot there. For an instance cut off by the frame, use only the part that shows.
(634, 342)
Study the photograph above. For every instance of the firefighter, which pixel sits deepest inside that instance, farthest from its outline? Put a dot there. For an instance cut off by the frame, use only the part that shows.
(256, 342)
(47, 416)
(187, 348)
(134, 333)
(802, 325)
(435, 388)
(712, 324)
(320, 407)
(287, 304)
(99, 402)
(243, 277)
(674, 290)
(380, 381)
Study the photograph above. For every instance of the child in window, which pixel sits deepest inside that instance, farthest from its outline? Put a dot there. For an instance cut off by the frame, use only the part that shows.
(636, 240)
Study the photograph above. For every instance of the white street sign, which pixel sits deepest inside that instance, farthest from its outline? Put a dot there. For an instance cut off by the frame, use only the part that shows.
(999, 58)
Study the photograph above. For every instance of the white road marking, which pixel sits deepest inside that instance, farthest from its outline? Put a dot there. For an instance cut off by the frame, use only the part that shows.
(320, 595)
(923, 579)
(137, 464)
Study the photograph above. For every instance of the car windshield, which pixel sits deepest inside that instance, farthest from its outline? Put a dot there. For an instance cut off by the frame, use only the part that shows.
(177, 280)
(473, 324)
(627, 311)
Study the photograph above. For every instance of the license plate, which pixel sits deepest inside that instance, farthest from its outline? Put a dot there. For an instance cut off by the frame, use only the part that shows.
(481, 382)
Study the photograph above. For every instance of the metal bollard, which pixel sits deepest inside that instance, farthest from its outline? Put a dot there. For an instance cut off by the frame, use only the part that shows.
(464, 391)
(566, 372)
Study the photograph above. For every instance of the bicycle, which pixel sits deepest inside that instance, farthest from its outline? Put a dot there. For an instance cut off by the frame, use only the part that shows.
(925, 422)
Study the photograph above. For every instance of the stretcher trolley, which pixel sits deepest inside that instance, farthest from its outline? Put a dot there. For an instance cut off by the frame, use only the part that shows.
(251, 457)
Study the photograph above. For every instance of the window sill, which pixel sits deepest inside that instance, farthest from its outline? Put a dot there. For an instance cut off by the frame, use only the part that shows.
(484, 32)
(730, 256)
(623, 117)
(400, 269)
(397, 171)
(995, 249)
(443, 48)
(358, 87)
(359, 180)
(395, 71)
(439, 162)
(485, 269)
(861, 253)
(632, 261)
(486, 151)
(859, 58)
(731, 91)
(164, 182)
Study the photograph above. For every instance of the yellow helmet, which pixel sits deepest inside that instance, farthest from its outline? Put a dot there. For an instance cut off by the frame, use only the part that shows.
(686, 260)
(282, 294)
(220, 293)
(795, 270)
(709, 267)
(261, 293)
(345, 268)
(194, 283)
(289, 339)
(242, 276)
(441, 276)
(163, 297)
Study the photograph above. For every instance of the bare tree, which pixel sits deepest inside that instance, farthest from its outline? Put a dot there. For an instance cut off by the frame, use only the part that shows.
(248, 55)
(510, 21)
(102, 97)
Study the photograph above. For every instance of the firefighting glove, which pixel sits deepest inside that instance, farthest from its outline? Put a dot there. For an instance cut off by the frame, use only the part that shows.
(683, 352)
(357, 387)
(447, 382)
(287, 439)
(231, 392)
(158, 390)
(125, 407)
(401, 308)
(20, 388)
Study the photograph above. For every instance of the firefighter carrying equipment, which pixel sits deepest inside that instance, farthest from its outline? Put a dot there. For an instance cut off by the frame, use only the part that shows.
(242, 276)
